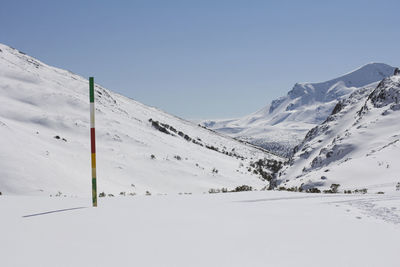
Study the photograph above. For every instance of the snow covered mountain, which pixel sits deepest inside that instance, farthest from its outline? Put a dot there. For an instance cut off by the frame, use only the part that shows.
(357, 146)
(282, 125)
(45, 147)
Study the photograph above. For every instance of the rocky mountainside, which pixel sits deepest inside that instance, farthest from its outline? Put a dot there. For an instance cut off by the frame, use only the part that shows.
(282, 125)
(357, 146)
(45, 146)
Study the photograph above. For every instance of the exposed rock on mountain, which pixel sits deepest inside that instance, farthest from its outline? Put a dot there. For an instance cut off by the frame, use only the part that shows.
(357, 146)
(282, 125)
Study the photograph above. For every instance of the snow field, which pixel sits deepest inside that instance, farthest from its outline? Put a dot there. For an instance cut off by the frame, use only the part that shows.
(232, 229)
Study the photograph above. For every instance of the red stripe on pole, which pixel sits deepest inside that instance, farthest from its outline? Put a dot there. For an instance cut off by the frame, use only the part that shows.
(93, 141)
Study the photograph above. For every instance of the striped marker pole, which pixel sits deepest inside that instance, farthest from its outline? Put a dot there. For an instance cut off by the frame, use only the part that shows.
(93, 141)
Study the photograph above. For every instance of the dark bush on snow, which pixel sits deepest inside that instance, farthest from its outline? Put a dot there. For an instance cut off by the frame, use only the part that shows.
(242, 188)
(361, 191)
(333, 190)
(313, 190)
(214, 190)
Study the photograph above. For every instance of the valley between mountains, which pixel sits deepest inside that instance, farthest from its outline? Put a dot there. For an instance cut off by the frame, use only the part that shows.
(343, 131)
(319, 167)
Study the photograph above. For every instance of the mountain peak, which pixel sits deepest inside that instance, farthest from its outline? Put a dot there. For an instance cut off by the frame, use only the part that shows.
(335, 88)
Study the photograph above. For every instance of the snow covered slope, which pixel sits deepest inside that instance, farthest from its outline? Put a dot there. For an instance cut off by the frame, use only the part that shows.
(281, 125)
(357, 146)
(44, 139)
(254, 229)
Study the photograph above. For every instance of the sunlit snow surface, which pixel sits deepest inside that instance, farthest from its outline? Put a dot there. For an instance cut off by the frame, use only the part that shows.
(232, 229)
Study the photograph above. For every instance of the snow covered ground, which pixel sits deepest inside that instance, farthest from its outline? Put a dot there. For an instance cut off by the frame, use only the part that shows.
(234, 229)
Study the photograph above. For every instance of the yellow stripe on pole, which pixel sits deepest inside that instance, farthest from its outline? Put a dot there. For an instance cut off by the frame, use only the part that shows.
(93, 160)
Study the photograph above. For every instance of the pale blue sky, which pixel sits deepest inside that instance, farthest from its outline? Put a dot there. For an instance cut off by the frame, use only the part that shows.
(204, 59)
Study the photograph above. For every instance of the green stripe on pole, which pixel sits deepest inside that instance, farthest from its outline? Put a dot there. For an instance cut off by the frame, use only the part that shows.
(91, 89)
(94, 192)
(92, 140)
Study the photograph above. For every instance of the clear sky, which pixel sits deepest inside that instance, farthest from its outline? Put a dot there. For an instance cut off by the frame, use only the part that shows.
(204, 59)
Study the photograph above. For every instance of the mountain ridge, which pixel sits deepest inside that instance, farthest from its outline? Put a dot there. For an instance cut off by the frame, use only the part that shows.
(44, 125)
(287, 119)
(355, 147)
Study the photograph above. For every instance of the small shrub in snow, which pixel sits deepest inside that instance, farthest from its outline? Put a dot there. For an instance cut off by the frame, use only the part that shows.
(214, 170)
(152, 156)
(0, 193)
(347, 191)
(212, 148)
(214, 190)
(301, 188)
(333, 190)
(110, 195)
(398, 186)
(361, 191)
(102, 194)
(224, 190)
(380, 193)
(148, 193)
(177, 157)
(334, 187)
(313, 190)
(293, 189)
(290, 189)
(122, 193)
(242, 188)
(131, 194)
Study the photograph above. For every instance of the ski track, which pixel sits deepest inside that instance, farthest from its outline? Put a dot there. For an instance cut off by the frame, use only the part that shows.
(296, 198)
(370, 207)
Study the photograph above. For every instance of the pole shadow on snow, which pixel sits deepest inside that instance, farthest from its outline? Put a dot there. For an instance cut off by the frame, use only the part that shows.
(52, 211)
